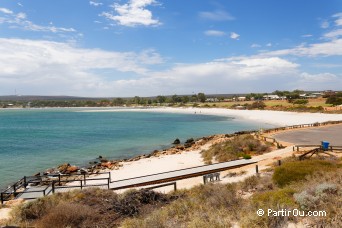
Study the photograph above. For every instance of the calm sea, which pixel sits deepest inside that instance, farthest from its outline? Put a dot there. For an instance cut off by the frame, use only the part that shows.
(33, 140)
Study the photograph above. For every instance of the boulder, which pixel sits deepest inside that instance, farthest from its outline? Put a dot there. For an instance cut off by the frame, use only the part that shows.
(107, 165)
(63, 168)
(191, 140)
(72, 169)
(177, 141)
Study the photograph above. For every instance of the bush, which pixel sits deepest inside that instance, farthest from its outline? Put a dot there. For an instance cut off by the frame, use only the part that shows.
(67, 215)
(247, 156)
(297, 171)
(239, 146)
(309, 199)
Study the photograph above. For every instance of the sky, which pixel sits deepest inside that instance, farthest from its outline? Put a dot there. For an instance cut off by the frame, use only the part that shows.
(120, 48)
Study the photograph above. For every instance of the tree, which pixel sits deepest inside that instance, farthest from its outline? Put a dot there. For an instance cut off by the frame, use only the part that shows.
(335, 99)
(176, 99)
(201, 97)
(185, 99)
(193, 98)
(161, 99)
(118, 101)
(136, 100)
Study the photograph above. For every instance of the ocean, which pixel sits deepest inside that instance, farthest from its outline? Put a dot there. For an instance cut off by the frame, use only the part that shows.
(33, 140)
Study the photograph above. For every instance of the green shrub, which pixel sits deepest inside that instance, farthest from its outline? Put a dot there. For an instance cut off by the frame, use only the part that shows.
(297, 171)
(247, 156)
(282, 197)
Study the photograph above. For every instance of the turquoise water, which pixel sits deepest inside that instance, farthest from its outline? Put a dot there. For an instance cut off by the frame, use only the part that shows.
(33, 140)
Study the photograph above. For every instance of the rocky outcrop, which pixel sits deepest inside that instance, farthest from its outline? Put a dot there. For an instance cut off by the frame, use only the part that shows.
(176, 142)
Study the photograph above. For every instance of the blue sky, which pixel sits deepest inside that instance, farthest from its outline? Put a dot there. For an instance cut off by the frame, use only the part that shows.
(156, 47)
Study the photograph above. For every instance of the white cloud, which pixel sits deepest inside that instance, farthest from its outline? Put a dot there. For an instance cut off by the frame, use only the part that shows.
(338, 21)
(218, 15)
(214, 33)
(319, 81)
(19, 4)
(133, 13)
(20, 21)
(255, 45)
(43, 67)
(234, 36)
(325, 24)
(323, 77)
(269, 45)
(330, 48)
(92, 3)
(306, 35)
(333, 34)
(59, 68)
(6, 11)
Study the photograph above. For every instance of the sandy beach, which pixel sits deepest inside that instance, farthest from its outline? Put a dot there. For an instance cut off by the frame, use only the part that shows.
(192, 158)
(279, 118)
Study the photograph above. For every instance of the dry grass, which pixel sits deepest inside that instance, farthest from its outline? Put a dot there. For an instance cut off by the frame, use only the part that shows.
(88, 208)
(239, 146)
(213, 205)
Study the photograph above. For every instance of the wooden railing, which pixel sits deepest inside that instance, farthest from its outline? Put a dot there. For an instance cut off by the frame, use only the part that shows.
(20, 187)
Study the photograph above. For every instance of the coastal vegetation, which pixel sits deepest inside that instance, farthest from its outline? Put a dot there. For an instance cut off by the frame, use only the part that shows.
(296, 100)
(239, 146)
(211, 205)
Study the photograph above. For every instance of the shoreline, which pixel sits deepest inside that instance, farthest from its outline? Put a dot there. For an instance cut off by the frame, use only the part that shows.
(280, 118)
(251, 115)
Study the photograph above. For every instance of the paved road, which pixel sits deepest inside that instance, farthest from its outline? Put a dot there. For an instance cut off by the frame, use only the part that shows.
(332, 134)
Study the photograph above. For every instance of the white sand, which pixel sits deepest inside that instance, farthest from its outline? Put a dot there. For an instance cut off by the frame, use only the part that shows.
(193, 158)
(190, 159)
(264, 116)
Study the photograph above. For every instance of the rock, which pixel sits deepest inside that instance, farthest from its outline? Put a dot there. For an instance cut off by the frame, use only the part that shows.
(191, 140)
(177, 141)
(72, 169)
(103, 160)
(107, 165)
(63, 168)
(180, 147)
(100, 157)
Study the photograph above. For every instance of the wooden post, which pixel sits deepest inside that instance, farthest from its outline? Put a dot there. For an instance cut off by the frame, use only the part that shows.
(175, 186)
(59, 179)
(297, 148)
(110, 176)
(25, 182)
(108, 181)
(81, 184)
(2, 198)
(53, 187)
(257, 169)
(279, 162)
(84, 178)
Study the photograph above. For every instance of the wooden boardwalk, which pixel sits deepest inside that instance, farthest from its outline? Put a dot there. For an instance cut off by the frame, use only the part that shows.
(178, 174)
(33, 192)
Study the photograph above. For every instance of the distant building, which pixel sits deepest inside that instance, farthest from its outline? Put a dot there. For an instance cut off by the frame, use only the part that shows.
(241, 98)
(271, 97)
(212, 99)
